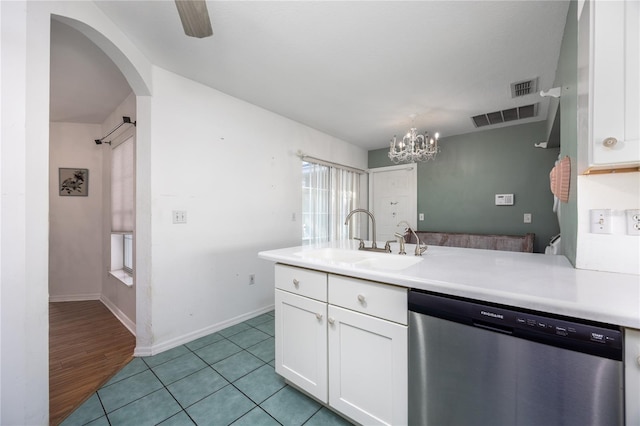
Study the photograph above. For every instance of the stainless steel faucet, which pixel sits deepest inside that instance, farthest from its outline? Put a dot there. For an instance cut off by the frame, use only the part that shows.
(374, 246)
(401, 242)
(420, 248)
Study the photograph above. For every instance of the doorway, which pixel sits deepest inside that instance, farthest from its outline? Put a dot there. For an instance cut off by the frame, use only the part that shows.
(393, 198)
(92, 311)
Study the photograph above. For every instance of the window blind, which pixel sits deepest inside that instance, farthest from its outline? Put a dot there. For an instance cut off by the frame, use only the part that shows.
(329, 193)
(122, 187)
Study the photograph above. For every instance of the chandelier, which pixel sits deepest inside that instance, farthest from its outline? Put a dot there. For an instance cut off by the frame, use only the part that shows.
(414, 147)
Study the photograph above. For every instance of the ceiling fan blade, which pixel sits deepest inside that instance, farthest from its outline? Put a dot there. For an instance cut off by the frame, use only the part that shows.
(195, 18)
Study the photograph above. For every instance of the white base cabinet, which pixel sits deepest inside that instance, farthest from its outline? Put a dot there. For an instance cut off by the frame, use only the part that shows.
(367, 368)
(344, 342)
(301, 342)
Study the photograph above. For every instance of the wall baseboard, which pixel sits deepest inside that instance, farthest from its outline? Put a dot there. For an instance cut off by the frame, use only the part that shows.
(75, 297)
(130, 325)
(181, 340)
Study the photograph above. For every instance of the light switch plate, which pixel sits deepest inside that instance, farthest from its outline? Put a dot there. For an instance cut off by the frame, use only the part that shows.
(179, 216)
(600, 221)
(527, 218)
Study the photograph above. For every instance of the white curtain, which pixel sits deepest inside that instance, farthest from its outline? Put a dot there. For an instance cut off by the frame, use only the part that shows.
(328, 195)
(122, 187)
(315, 203)
(345, 187)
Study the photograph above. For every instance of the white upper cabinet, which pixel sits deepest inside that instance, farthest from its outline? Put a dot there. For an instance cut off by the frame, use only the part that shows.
(609, 85)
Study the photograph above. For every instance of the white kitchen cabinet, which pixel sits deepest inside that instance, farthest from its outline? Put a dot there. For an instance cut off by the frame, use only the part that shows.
(609, 85)
(301, 342)
(301, 328)
(367, 368)
(344, 341)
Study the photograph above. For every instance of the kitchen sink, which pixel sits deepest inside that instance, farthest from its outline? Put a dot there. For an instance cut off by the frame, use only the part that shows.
(363, 259)
(393, 262)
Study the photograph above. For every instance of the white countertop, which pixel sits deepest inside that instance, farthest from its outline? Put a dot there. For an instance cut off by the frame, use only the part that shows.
(546, 283)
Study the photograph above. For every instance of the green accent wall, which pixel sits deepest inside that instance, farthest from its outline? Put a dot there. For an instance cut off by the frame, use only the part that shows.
(567, 77)
(456, 192)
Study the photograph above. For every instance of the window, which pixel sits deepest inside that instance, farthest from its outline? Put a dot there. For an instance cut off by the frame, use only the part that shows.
(122, 206)
(329, 193)
(127, 249)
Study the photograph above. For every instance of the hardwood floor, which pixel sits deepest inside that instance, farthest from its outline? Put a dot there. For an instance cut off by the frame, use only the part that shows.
(87, 345)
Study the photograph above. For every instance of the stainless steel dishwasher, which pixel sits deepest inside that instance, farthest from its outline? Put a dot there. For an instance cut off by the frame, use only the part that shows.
(472, 363)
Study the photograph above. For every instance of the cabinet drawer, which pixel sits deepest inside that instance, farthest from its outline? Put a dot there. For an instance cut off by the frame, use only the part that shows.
(301, 281)
(377, 299)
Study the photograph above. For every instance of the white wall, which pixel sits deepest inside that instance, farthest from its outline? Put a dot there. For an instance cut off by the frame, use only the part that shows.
(75, 222)
(233, 167)
(118, 297)
(615, 252)
(24, 157)
(24, 203)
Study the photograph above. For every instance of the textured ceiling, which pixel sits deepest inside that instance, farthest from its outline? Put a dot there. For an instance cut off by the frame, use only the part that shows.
(353, 69)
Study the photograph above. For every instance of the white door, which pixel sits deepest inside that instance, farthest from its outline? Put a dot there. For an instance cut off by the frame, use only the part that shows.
(393, 197)
(301, 342)
(368, 368)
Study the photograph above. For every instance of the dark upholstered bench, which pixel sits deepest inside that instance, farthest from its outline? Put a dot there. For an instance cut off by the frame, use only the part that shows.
(523, 243)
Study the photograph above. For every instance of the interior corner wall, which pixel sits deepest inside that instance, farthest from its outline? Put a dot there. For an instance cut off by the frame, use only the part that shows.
(567, 78)
(233, 168)
(75, 224)
(456, 192)
(118, 297)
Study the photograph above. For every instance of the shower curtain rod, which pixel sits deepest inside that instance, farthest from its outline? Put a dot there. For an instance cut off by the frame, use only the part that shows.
(125, 120)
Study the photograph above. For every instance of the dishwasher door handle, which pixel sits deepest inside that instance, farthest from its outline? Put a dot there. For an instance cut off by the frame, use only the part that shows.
(493, 327)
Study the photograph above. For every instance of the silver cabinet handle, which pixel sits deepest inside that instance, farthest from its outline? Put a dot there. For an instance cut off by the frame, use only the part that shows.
(361, 298)
(296, 282)
(318, 315)
(331, 320)
(609, 142)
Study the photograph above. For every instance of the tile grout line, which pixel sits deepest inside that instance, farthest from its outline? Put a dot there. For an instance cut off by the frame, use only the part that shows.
(256, 405)
(164, 386)
(104, 410)
(208, 365)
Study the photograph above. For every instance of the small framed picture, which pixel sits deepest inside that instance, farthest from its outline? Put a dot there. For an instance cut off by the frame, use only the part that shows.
(74, 182)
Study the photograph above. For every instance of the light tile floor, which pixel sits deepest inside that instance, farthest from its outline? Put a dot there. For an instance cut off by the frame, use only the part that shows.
(220, 379)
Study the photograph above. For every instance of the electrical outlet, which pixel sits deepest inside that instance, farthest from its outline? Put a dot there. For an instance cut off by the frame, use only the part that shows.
(633, 221)
(600, 221)
(252, 279)
(179, 216)
(527, 218)
(421, 216)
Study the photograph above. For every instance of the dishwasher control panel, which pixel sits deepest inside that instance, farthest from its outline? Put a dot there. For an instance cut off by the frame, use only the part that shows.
(571, 330)
(569, 333)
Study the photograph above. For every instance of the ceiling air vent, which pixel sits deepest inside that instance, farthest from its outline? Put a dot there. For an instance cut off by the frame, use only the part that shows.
(497, 117)
(523, 88)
